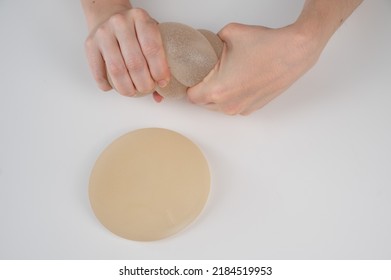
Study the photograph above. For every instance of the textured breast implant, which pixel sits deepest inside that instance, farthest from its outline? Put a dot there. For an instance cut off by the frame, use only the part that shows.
(191, 55)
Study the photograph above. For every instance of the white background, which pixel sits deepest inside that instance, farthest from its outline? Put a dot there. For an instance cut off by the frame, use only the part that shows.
(307, 177)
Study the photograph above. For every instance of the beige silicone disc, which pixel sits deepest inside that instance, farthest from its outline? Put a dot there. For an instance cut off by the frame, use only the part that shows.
(149, 184)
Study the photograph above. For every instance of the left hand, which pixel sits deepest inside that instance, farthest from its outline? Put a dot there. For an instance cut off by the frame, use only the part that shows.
(256, 65)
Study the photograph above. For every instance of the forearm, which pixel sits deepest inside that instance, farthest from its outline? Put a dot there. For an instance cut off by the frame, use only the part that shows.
(97, 11)
(321, 18)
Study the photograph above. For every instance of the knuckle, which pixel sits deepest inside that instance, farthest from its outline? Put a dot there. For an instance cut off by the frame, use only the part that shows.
(102, 31)
(151, 48)
(139, 13)
(117, 19)
(115, 69)
(89, 43)
(135, 63)
(233, 26)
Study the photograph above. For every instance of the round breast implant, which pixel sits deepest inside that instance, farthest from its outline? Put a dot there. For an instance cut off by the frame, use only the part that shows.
(149, 184)
(191, 55)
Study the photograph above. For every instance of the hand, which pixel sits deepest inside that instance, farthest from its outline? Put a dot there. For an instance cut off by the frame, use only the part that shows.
(257, 64)
(127, 46)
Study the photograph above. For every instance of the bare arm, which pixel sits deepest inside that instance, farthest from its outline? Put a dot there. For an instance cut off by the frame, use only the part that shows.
(319, 19)
(259, 63)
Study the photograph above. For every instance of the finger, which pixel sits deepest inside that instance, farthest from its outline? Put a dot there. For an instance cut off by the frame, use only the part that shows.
(203, 92)
(228, 32)
(116, 66)
(157, 97)
(97, 65)
(210, 89)
(134, 59)
(152, 48)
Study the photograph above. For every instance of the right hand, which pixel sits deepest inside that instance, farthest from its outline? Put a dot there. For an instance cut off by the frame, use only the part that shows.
(128, 47)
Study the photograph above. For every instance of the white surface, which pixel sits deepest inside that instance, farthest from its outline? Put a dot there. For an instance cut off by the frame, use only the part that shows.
(308, 176)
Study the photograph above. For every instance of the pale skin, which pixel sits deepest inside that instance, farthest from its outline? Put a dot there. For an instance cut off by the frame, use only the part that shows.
(257, 64)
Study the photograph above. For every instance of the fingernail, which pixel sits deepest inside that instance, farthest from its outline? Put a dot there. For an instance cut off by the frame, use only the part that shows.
(162, 83)
(157, 97)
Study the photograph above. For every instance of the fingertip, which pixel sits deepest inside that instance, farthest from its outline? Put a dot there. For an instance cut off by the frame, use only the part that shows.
(160, 72)
(230, 27)
(163, 83)
(105, 86)
(157, 97)
(106, 89)
(124, 91)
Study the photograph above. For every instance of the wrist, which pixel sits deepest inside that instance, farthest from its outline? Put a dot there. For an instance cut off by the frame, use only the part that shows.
(320, 19)
(313, 29)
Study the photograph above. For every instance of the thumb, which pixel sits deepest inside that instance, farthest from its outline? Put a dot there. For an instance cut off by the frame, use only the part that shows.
(200, 93)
